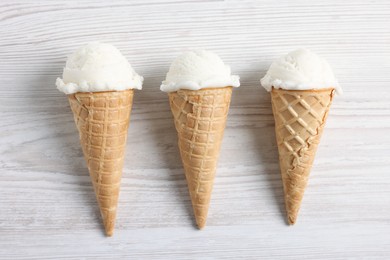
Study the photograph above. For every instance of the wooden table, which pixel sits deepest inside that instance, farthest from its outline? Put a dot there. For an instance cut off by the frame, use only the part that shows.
(47, 205)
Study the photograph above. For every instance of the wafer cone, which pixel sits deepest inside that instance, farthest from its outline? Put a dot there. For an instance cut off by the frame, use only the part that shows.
(300, 117)
(200, 119)
(102, 119)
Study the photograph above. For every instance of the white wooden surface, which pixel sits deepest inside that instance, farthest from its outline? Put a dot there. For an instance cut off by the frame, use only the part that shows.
(47, 205)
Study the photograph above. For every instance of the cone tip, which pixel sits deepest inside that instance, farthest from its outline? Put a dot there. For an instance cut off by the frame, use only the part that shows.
(200, 227)
(291, 219)
(109, 232)
(109, 228)
(200, 222)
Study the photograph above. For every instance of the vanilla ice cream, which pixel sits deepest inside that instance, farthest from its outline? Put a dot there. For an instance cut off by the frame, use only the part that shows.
(196, 70)
(98, 67)
(300, 70)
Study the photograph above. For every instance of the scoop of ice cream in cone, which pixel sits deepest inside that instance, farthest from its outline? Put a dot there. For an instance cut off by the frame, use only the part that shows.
(200, 87)
(98, 67)
(99, 82)
(302, 87)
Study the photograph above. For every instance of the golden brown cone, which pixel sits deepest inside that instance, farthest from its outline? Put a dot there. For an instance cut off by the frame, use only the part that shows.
(200, 119)
(300, 117)
(102, 119)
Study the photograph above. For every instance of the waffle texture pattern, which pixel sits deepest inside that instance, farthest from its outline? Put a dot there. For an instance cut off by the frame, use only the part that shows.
(200, 119)
(102, 119)
(300, 117)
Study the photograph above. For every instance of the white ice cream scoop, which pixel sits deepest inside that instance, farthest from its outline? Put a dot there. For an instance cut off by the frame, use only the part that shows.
(301, 69)
(196, 70)
(98, 67)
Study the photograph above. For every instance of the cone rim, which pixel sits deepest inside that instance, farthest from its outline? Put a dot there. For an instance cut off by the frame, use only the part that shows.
(305, 90)
(209, 88)
(98, 92)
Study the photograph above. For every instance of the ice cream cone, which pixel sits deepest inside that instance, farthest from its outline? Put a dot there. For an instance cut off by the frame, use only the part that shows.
(102, 119)
(200, 119)
(300, 117)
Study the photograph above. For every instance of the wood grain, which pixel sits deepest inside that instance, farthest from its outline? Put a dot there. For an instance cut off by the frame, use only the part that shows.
(47, 205)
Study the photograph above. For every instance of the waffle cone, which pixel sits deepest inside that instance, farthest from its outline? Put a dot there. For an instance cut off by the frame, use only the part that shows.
(300, 117)
(200, 119)
(102, 119)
